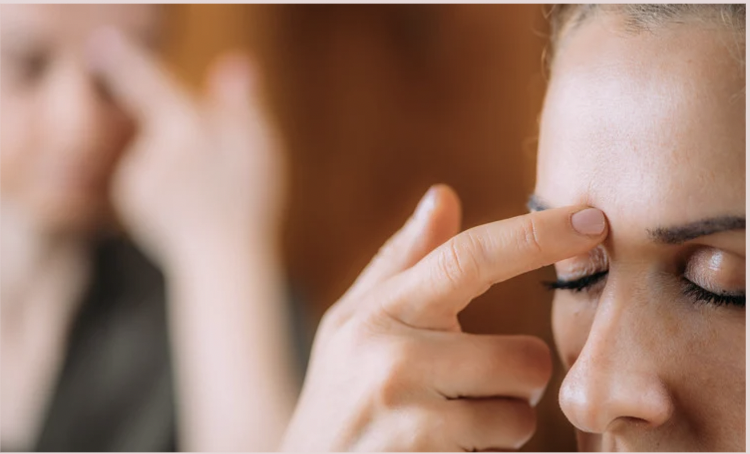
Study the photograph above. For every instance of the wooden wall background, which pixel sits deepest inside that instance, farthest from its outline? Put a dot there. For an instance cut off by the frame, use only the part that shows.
(378, 102)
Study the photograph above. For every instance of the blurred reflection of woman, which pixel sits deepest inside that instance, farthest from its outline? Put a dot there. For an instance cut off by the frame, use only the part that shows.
(87, 361)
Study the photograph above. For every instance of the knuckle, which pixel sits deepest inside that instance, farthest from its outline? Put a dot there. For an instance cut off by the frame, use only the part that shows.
(332, 319)
(346, 316)
(457, 260)
(392, 370)
(390, 391)
(450, 263)
(334, 334)
(424, 430)
(529, 235)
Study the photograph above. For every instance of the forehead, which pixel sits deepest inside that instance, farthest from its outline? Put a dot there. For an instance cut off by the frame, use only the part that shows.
(74, 22)
(648, 127)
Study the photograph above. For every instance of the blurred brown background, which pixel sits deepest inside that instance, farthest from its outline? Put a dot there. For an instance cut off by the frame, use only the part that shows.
(375, 104)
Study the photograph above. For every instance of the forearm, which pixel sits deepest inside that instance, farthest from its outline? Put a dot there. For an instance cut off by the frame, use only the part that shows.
(231, 348)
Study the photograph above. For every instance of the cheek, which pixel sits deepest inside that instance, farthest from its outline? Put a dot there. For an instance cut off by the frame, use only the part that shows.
(571, 323)
(712, 354)
(17, 142)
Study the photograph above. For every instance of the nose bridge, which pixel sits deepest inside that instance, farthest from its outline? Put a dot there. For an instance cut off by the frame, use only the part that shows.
(74, 110)
(616, 375)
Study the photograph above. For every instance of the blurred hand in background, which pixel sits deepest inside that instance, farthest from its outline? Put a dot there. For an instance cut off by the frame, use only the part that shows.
(201, 189)
(93, 123)
(199, 168)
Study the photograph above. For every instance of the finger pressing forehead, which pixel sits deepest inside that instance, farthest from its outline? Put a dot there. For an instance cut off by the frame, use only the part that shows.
(433, 292)
(140, 83)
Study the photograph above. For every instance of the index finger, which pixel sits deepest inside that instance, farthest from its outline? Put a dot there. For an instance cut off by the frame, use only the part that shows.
(135, 78)
(433, 292)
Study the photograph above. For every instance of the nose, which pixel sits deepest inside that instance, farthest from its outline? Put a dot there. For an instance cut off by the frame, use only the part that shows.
(615, 379)
(79, 116)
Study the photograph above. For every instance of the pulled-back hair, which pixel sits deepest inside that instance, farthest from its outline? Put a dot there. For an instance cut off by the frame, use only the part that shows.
(639, 18)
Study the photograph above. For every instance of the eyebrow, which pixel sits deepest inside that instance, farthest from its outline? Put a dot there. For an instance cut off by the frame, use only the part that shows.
(704, 227)
(675, 234)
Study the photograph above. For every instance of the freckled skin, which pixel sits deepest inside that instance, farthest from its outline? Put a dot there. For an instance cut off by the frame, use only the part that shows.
(649, 128)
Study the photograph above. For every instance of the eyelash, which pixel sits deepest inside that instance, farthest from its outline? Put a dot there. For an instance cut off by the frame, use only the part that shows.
(576, 285)
(701, 295)
(690, 289)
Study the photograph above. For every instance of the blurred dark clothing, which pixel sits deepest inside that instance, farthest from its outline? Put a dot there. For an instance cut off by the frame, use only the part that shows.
(115, 390)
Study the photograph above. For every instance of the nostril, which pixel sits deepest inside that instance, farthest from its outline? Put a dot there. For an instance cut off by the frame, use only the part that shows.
(632, 421)
(598, 403)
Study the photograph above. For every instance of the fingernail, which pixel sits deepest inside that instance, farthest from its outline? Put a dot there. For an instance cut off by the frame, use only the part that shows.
(589, 221)
(426, 205)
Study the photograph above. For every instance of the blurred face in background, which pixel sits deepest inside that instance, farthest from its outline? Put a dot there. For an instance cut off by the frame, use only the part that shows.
(650, 128)
(61, 134)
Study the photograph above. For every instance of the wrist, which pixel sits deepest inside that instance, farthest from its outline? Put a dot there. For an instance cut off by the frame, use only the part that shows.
(203, 252)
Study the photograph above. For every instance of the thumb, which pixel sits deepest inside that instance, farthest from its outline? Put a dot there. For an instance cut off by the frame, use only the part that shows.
(436, 220)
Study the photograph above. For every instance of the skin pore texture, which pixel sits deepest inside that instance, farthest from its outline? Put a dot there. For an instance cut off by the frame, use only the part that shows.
(649, 127)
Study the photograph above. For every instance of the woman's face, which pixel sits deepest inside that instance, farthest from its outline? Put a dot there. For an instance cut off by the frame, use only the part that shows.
(650, 128)
(61, 135)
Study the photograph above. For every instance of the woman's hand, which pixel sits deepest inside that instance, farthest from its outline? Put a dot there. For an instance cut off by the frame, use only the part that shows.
(198, 169)
(391, 369)
(200, 189)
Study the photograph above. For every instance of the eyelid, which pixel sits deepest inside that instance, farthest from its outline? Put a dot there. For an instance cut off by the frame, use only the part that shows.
(715, 270)
(730, 241)
(582, 266)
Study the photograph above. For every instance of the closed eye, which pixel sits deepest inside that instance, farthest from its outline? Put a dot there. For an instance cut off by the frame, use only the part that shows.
(578, 284)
